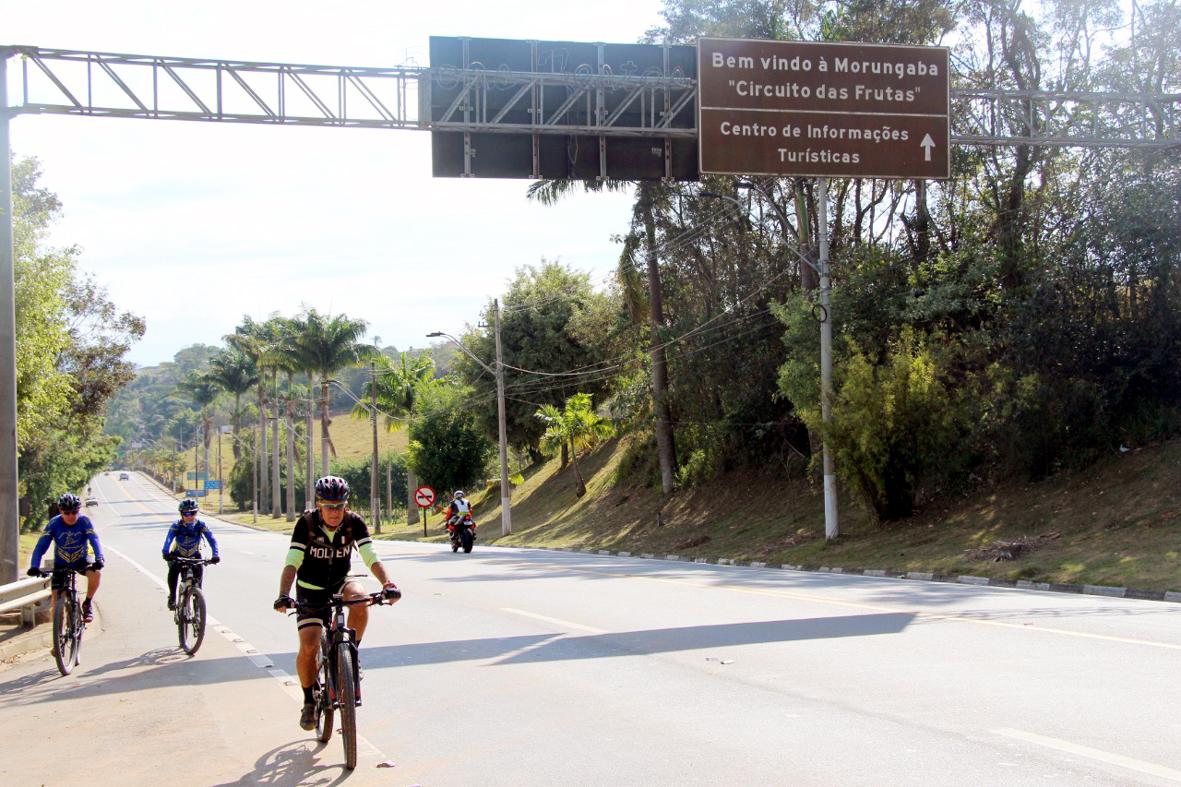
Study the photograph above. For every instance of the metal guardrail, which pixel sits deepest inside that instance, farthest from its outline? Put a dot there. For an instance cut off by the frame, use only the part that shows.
(25, 595)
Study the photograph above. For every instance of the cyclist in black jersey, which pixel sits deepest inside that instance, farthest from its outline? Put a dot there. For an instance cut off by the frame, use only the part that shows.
(318, 561)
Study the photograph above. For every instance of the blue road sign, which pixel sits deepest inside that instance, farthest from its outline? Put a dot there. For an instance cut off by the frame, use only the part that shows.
(194, 493)
(213, 483)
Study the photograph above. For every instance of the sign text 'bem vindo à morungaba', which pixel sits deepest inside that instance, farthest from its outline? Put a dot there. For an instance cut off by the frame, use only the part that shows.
(828, 110)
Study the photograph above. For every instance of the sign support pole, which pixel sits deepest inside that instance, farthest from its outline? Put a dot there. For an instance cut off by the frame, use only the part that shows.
(9, 504)
(832, 527)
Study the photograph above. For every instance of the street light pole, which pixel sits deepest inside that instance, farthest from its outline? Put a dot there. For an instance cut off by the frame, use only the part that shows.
(506, 514)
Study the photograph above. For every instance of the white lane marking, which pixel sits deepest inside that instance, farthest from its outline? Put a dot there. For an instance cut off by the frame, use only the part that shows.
(289, 685)
(1132, 764)
(946, 616)
(556, 621)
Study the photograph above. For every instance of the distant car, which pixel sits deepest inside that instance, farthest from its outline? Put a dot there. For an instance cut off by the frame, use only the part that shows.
(91, 501)
(124, 477)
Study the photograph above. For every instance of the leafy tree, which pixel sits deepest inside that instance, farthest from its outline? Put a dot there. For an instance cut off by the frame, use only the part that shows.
(70, 343)
(543, 320)
(577, 426)
(448, 448)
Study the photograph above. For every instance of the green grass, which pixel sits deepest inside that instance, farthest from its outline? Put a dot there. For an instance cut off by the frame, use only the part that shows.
(1119, 522)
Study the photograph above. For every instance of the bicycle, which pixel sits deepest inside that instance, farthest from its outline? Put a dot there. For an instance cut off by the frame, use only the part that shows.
(336, 662)
(68, 623)
(190, 605)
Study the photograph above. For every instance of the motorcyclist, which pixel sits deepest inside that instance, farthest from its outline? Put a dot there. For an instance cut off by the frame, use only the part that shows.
(459, 507)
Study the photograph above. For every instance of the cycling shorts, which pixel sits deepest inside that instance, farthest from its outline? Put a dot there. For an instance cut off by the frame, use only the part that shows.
(58, 580)
(316, 597)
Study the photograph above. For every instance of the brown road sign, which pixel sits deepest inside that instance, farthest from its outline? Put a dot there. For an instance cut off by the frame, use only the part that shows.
(843, 110)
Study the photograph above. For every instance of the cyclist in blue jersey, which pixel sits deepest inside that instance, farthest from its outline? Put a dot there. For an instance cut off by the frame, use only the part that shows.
(187, 533)
(70, 532)
(318, 561)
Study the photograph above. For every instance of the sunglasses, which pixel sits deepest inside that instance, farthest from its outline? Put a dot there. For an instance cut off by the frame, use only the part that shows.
(189, 513)
(71, 513)
(332, 506)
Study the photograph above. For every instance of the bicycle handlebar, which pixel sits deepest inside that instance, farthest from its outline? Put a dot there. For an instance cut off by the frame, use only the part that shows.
(194, 561)
(369, 599)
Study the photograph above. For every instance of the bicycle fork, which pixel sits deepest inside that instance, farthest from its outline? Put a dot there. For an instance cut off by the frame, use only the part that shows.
(350, 643)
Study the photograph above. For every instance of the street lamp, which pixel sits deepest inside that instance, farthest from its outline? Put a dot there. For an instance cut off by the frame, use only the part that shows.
(832, 526)
(506, 516)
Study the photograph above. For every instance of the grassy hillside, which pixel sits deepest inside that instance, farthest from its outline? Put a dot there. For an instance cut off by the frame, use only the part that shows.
(1117, 523)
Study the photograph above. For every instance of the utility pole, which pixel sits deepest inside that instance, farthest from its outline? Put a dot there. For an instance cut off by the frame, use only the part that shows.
(9, 508)
(832, 527)
(220, 485)
(374, 493)
(506, 514)
(254, 499)
(389, 489)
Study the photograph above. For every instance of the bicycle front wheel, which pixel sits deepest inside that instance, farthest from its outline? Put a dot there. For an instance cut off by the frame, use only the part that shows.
(346, 695)
(65, 643)
(326, 713)
(191, 620)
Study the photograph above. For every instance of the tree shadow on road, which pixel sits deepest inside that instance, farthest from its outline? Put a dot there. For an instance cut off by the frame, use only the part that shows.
(294, 764)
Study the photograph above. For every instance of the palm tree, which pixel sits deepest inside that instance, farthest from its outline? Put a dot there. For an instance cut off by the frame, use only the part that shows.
(398, 388)
(577, 426)
(203, 390)
(235, 372)
(329, 344)
(256, 340)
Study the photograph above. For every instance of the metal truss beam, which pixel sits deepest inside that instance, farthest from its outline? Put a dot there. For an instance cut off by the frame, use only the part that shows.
(99, 84)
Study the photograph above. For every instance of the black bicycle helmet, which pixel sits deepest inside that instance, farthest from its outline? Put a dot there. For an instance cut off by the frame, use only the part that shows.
(69, 504)
(332, 488)
(188, 506)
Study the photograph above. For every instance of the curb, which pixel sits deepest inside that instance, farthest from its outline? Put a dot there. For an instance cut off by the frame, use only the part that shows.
(921, 576)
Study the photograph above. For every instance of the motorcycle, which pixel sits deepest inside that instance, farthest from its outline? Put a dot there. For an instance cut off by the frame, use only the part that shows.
(462, 529)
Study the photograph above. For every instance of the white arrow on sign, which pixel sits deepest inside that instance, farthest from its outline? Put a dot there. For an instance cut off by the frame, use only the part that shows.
(926, 145)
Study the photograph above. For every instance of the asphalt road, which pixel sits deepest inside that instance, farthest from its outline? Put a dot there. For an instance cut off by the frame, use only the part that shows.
(522, 667)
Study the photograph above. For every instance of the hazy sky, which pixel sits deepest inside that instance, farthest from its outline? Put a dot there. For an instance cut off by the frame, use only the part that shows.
(193, 225)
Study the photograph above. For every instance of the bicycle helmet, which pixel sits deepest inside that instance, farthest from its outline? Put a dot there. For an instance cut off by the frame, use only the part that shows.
(188, 506)
(69, 504)
(458, 493)
(332, 488)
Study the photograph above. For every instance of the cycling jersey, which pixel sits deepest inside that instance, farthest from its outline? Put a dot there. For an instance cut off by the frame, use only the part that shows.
(69, 541)
(322, 559)
(188, 538)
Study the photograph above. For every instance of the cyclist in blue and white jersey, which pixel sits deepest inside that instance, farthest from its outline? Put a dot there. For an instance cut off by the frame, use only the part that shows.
(187, 533)
(318, 561)
(70, 532)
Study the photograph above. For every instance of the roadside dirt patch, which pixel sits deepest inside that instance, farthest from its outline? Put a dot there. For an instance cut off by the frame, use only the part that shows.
(1012, 549)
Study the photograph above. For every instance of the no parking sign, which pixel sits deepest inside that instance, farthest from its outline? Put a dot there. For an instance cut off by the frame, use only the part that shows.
(424, 496)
